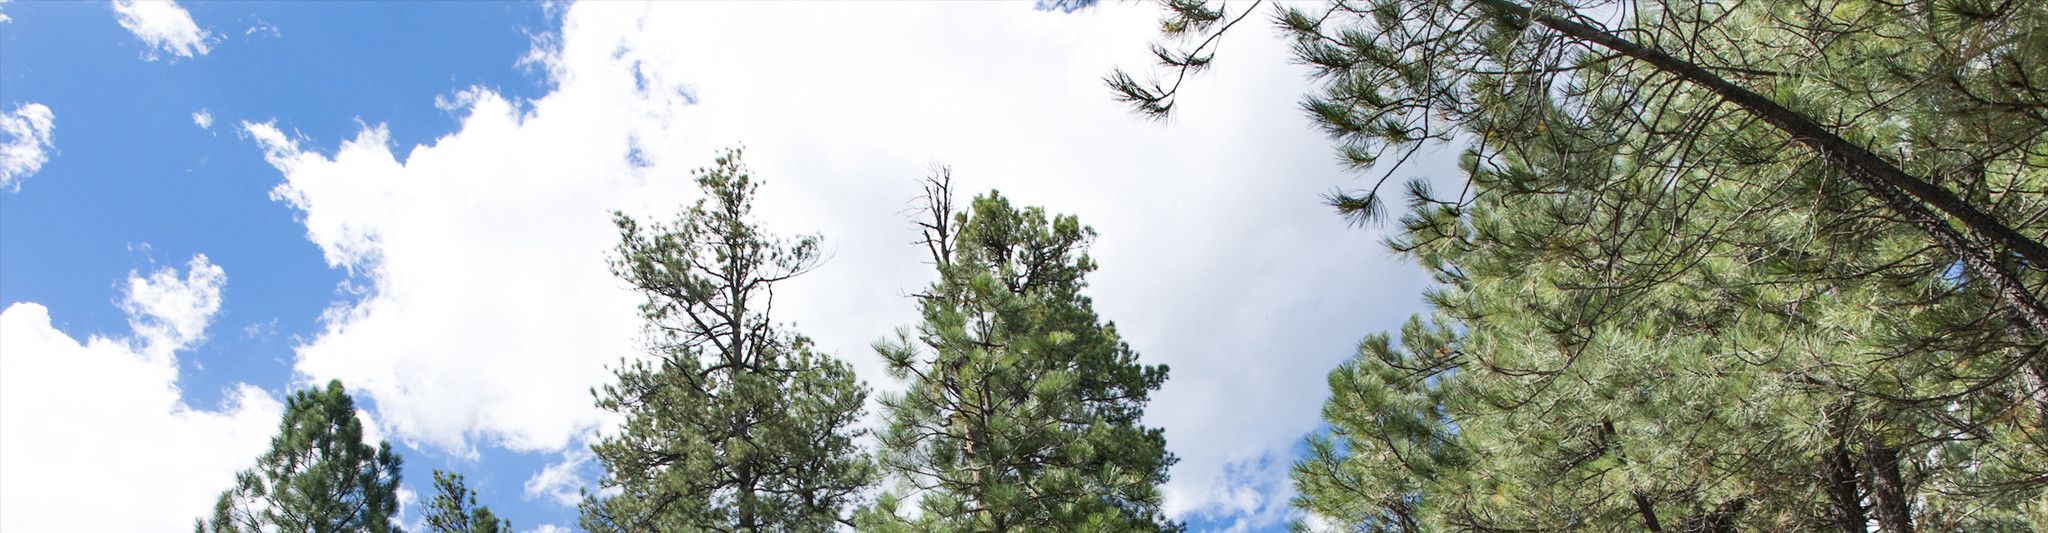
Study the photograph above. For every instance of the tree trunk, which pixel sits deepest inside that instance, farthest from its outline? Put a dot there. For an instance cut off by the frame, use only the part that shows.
(1649, 511)
(747, 522)
(1839, 469)
(1887, 488)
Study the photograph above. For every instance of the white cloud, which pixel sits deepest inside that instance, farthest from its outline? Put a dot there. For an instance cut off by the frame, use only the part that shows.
(1251, 495)
(86, 423)
(1316, 523)
(26, 136)
(261, 29)
(490, 313)
(492, 243)
(561, 481)
(163, 26)
(409, 516)
(372, 431)
(203, 119)
(170, 314)
(3, 13)
(549, 528)
(260, 330)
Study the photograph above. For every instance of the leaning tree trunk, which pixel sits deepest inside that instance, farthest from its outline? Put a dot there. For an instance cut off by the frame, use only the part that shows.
(1903, 193)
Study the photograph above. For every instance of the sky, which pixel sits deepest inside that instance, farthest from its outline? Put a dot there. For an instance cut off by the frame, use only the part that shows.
(205, 206)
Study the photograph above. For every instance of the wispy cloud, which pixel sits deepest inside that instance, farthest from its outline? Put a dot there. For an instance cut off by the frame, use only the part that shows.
(261, 29)
(164, 26)
(561, 481)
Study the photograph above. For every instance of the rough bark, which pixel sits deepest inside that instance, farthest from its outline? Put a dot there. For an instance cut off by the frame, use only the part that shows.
(1839, 471)
(1887, 488)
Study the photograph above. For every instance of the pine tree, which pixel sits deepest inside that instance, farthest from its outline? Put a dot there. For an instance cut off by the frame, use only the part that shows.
(318, 476)
(1687, 286)
(1022, 407)
(453, 509)
(733, 423)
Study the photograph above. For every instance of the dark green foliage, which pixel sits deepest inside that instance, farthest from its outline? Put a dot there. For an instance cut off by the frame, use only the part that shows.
(319, 475)
(1715, 266)
(1022, 409)
(734, 423)
(453, 509)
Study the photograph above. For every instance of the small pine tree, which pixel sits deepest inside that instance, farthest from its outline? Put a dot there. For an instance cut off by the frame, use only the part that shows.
(454, 509)
(318, 476)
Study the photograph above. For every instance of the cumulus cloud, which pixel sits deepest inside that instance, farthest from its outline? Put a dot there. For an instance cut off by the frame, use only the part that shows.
(203, 119)
(164, 27)
(26, 136)
(168, 313)
(489, 312)
(87, 423)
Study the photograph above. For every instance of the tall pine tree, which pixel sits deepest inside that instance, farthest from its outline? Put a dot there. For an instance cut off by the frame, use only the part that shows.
(1022, 408)
(733, 423)
(318, 476)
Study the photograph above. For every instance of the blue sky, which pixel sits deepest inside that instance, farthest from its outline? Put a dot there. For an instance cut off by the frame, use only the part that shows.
(135, 182)
(411, 197)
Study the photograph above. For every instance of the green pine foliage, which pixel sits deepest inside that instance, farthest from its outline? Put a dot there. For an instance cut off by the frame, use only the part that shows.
(1022, 407)
(1714, 267)
(734, 423)
(318, 476)
(453, 509)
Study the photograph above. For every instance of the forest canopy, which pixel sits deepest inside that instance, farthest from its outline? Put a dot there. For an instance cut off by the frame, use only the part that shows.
(1730, 266)
(1709, 267)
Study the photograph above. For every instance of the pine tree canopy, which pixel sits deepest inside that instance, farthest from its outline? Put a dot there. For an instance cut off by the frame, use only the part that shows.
(1711, 266)
(732, 422)
(1022, 409)
(453, 509)
(319, 476)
